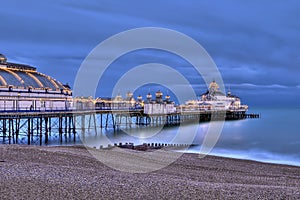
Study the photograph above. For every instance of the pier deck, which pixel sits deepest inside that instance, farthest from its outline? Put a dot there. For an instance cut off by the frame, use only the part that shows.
(40, 123)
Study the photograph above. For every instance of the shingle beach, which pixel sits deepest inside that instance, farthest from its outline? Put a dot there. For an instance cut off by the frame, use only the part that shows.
(31, 172)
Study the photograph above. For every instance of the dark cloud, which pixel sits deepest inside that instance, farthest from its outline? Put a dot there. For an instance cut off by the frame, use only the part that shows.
(255, 44)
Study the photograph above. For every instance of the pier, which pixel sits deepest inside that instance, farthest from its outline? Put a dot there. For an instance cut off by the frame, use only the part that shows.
(67, 123)
(34, 106)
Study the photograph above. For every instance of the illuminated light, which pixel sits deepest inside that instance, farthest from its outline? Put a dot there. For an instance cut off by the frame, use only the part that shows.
(53, 82)
(50, 79)
(3, 81)
(35, 79)
(149, 96)
(158, 93)
(15, 75)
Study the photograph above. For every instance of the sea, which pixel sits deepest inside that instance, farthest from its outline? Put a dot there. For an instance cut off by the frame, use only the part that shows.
(272, 138)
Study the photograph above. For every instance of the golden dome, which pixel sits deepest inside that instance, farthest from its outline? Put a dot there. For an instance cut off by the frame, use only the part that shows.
(25, 76)
(158, 94)
(129, 94)
(118, 98)
(213, 86)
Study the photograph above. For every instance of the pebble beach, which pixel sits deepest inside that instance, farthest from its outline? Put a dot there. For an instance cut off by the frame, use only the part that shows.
(32, 172)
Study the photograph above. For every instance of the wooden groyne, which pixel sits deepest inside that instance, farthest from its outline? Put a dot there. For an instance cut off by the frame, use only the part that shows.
(145, 146)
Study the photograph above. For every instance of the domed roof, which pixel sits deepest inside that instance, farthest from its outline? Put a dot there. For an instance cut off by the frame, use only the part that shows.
(158, 94)
(213, 85)
(149, 96)
(25, 76)
(2, 59)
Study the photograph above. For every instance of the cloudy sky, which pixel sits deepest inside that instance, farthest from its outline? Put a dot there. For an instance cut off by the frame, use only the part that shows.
(255, 44)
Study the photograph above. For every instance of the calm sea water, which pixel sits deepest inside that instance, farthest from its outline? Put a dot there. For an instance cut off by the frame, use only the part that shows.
(275, 137)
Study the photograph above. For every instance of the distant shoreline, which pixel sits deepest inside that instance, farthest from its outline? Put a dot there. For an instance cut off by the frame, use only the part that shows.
(61, 172)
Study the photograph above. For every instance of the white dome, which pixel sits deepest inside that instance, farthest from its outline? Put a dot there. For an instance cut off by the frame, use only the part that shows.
(3, 59)
(214, 86)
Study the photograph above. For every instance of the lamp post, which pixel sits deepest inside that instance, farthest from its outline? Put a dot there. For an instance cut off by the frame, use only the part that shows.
(18, 101)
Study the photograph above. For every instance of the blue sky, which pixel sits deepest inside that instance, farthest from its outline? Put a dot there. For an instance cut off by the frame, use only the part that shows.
(255, 44)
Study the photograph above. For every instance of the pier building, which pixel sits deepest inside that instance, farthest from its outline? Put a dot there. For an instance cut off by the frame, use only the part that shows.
(159, 105)
(23, 88)
(214, 99)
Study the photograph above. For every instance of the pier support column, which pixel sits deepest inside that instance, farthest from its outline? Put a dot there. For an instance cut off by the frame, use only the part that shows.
(74, 127)
(50, 125)
(90, 119)
(17, 128)
(101, 121)
(46, 130)
(66, 124)
(83, 123)
(31, 128)
(41, 131)
(28, 131)
(4, 129)
(113, 121)
(60, 128)
(70, 125)
(106, 121)
(95, 123)
(9, 131)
